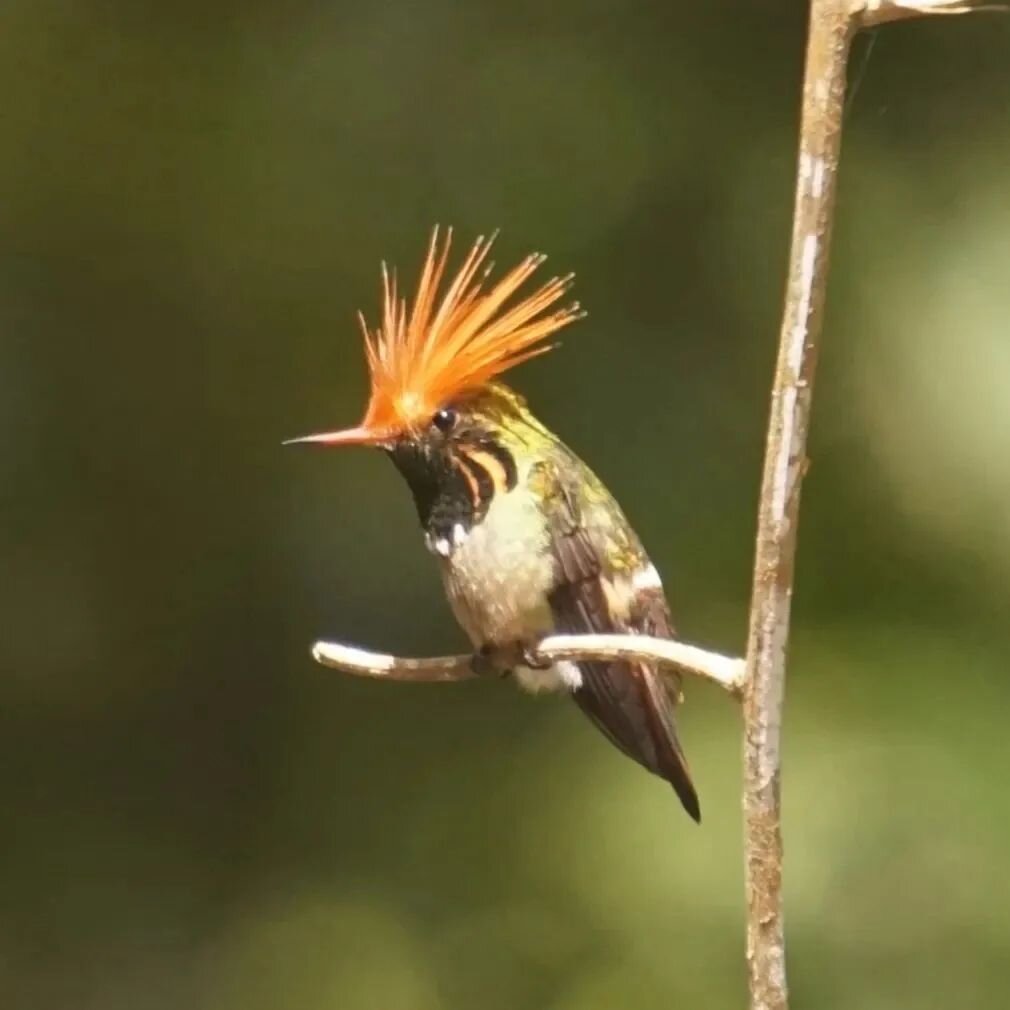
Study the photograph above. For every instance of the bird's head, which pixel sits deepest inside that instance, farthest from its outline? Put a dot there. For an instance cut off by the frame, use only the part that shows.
(453, 432)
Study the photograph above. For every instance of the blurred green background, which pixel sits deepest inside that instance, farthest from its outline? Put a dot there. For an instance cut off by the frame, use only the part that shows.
(194, 200)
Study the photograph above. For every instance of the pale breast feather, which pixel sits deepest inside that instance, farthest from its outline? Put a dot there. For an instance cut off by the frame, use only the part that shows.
(499, 575)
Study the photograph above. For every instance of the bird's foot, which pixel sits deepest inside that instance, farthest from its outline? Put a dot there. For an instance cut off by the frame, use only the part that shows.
(499, 660)
(534, 660)
(491, 661)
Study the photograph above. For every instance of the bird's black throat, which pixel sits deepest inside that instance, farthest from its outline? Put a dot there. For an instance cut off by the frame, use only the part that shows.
(453, 485)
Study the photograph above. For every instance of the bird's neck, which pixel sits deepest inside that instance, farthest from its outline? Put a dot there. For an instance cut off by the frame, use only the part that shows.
(454, 489)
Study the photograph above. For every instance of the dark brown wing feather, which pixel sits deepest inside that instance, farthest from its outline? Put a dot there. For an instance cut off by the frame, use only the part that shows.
(629, 702)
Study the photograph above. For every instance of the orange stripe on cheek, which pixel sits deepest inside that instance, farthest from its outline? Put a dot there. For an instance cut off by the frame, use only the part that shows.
(493, 466)
(471, 481)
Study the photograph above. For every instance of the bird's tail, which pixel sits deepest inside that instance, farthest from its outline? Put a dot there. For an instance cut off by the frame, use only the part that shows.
(671, 759)
(632, 706)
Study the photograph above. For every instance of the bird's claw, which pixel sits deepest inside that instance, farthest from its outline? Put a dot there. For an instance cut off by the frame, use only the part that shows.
(490, 661)
(500, 660)
(533, 659)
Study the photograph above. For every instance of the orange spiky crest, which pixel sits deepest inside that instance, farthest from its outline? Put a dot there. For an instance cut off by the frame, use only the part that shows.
(419, 360)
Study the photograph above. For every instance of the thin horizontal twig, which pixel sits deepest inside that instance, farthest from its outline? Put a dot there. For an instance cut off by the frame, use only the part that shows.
(726, 671)
(877, 12)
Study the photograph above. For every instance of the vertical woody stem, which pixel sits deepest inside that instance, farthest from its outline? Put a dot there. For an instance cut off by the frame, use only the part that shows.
(830, 33)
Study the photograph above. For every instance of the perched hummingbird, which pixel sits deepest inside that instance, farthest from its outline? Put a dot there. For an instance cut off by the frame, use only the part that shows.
(528, 539)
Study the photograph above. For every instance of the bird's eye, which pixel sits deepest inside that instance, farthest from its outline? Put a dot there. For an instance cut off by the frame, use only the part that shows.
(444, 419)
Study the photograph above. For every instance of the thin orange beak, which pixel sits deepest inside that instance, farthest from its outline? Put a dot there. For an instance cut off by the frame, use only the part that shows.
(349, 436)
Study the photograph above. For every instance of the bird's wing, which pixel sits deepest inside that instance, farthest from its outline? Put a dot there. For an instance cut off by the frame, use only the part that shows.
(628, 701)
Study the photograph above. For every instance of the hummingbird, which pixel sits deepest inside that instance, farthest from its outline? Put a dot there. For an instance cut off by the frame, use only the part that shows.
(528, 539)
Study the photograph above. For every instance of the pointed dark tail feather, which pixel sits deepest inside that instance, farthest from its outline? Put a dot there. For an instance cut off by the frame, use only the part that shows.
(684, 788)
(633, 708)
(672, 762)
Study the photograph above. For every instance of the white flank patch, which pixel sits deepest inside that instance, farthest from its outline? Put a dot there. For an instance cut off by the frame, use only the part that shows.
(459, 534)
(442, 546)
(564, 675)
(570, 673)
(646, 578)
